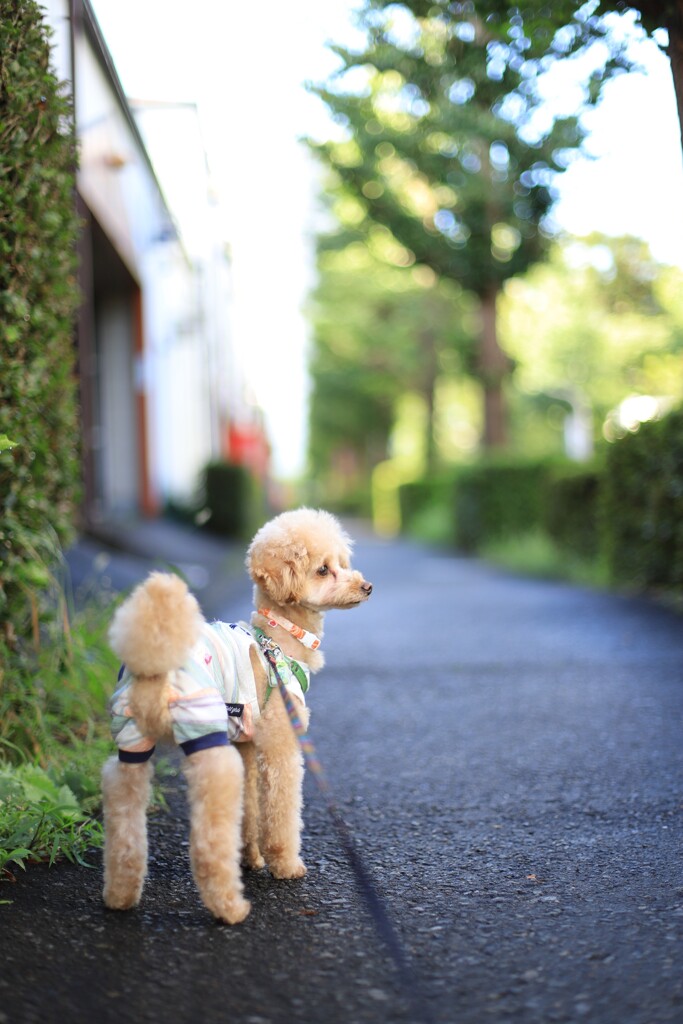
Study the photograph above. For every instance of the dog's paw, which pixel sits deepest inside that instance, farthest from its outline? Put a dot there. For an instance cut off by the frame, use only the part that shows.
(121, 902)
(122, 897)
(252, 857)
(288, 869)
(232, 911)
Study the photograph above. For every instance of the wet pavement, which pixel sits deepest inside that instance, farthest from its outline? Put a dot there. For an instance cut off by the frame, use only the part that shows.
(508, 755)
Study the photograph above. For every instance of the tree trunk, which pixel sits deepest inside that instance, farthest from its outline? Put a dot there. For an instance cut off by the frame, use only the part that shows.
(430, 372)
(674, 26)
(493, 367)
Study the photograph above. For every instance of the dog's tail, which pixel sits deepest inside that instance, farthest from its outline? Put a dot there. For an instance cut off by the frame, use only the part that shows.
(155, 628)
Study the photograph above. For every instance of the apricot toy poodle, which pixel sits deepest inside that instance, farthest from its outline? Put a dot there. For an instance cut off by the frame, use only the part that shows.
(209, 687)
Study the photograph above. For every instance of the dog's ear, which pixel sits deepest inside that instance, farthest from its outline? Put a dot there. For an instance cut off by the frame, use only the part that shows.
(279, 569)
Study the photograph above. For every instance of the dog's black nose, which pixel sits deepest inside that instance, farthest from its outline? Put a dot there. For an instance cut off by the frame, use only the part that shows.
(366, 588)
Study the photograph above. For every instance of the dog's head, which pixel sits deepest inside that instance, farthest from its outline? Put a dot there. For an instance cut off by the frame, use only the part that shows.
(304, 557)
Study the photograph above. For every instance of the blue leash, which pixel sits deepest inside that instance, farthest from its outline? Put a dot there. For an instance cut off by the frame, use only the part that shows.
(407, 974)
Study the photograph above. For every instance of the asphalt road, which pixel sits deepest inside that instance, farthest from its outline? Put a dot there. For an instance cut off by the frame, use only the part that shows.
(508, 755)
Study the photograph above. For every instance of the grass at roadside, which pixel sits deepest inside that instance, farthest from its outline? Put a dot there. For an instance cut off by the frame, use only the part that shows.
(535, 554)
(54, 734)
(41, 820)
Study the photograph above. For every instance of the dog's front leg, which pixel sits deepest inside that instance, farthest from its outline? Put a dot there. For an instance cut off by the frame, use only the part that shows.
(281, 773)
(215, 778)
(126, 791)
(251, 853)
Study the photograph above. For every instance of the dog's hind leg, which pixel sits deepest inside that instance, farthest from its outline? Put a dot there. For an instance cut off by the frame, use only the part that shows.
(251, 853)
(215, 778)
(126, 791)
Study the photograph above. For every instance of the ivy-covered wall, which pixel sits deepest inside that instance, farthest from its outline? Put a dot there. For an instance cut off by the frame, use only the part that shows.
(38, 301)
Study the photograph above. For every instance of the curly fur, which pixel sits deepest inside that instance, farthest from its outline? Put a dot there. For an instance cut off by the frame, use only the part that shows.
(299, 563)
(155, 628)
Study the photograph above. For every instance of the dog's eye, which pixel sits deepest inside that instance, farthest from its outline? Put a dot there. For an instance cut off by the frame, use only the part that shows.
(323, 570)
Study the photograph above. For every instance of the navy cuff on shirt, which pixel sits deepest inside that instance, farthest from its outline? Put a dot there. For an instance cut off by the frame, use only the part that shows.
(135, 756)
(211, 739)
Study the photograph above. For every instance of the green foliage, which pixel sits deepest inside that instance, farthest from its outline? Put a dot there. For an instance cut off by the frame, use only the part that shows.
(54, 688)
(427, 508)
(233, 499)
(38, 300)
(54, 731)
(538, 517)
(534, 553)
(54, 734)
(471, 505)
(5, 443)
(451, 149)
(642, 505)
(598, 321)
(497, 498)
(41, 819)
(446, 150)
(571, 509)
(341, 499)
(379, 332)
(617, 521)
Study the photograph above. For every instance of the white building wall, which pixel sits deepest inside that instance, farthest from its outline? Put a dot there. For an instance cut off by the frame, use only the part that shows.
(56, 13)
(120, 469)
(180, 427)
(185, 357)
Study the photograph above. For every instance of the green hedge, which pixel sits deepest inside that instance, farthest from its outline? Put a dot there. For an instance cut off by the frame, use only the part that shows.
(38, 301)
(420, 500)
(571, 509)
(498, 497)
(233, 498)
(642, 505)
(623, 514)
(473, 504)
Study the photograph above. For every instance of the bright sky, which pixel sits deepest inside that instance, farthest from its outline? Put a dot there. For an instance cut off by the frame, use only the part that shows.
(244, 66)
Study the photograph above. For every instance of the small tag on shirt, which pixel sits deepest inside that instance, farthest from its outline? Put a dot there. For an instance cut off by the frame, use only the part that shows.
(242, 730)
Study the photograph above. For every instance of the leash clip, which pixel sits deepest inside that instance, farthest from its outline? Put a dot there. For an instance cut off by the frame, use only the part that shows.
(270, 653)
(265, 642)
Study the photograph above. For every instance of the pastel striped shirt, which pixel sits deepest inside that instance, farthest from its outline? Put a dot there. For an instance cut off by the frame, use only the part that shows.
(212, 698)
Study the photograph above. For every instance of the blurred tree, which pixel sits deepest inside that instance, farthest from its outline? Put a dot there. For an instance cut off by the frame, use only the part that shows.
(452, 146)
(380, 331)
(569, 27)
(599, 321)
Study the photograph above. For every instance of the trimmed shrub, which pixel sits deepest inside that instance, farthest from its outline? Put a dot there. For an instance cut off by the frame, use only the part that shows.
(498, 498)
(424, 503)
(357, 502)
(38, 300)
(233, 498)
(642, 505)
(570, 509)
